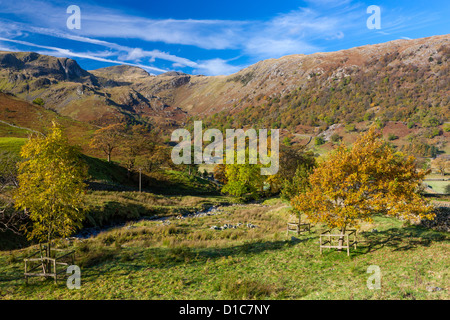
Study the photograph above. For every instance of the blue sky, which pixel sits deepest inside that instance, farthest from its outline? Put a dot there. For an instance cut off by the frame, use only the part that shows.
(208, 37)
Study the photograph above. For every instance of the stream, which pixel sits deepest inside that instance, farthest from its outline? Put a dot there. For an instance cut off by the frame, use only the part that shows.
(86, 233)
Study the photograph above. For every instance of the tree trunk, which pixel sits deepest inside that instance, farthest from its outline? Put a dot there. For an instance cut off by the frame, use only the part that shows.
(47, 262)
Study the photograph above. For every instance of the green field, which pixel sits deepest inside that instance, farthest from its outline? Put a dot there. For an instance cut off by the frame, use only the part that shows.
(437, 186)
(12, 144)
(9, 131)
(186, 259)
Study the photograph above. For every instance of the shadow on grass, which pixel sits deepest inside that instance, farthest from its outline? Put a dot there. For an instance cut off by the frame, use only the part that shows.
(170, 257)
(97, 263)
(399, 239)
(12, 241)
(115, 213)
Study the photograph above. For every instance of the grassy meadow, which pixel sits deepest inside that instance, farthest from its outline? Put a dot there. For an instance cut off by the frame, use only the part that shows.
(186, 259)
(146, 246)
(12, 144)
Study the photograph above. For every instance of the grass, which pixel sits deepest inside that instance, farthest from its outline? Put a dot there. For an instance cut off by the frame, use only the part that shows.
(176, 182)
(186, 259)
(438, 186)
(23, 114)
(12, 144)
(106, 207)
(105, 172)
(9, 131)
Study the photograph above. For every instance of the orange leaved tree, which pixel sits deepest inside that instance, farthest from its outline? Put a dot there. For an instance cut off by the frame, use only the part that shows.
(354, 183)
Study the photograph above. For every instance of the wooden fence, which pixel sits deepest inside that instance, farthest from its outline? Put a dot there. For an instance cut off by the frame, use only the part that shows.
(46, 266)
(297, 226)
(329, 240)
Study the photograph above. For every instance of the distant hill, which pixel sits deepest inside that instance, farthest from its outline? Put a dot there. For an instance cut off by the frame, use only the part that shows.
(405, 81)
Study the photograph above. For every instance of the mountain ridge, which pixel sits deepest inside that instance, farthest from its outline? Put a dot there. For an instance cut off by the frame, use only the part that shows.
(128, 93)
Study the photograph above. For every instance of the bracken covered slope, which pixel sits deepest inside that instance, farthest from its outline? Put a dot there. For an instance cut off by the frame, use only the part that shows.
(403, 80)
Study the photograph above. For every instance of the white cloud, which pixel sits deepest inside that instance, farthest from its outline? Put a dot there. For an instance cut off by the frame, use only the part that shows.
(275, 48)
(293, 33)
(216, 67)
(205, 34)
(304, 30)
(123, 52)
(61, 52)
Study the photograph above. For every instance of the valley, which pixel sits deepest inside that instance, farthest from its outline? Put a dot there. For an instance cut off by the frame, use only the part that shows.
(154, 229)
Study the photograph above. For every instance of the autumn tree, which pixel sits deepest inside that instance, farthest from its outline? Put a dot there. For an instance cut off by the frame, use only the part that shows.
(157, 159)
(294, 162)
(108, 139)
(136, 143)
(51, 186)
(250, 172)
(298, 183)
(441, 164)
(354, 183)
(220, 173)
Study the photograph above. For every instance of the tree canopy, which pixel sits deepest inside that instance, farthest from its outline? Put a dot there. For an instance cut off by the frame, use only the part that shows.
(355, 183)
(51, 185)
(108, 139)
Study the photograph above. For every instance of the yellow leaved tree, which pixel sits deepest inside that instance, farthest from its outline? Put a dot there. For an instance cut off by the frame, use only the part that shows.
(51, 186)
(355, 183)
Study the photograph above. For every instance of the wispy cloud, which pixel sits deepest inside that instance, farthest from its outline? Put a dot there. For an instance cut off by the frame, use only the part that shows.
(61, 52)
(112, 36)
(216, 67)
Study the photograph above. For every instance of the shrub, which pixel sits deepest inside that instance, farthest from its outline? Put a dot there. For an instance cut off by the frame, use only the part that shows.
(39, 101)
(431, 122)
(350, 128)
(369, 116)
(380, 123)
(447, 127)
(432, 132)
(319, 141)
(336, 138)
(287, 141)
(392, 136)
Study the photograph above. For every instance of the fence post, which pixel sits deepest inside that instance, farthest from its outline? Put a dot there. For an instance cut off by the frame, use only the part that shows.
(348, 246)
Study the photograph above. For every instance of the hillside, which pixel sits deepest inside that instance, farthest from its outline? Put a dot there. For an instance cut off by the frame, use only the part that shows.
(155, 230)
(400, 80)
(19, 118)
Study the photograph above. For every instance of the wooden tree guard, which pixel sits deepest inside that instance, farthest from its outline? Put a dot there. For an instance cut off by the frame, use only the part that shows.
(298, 226)
(330, 240)
(47, 265)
